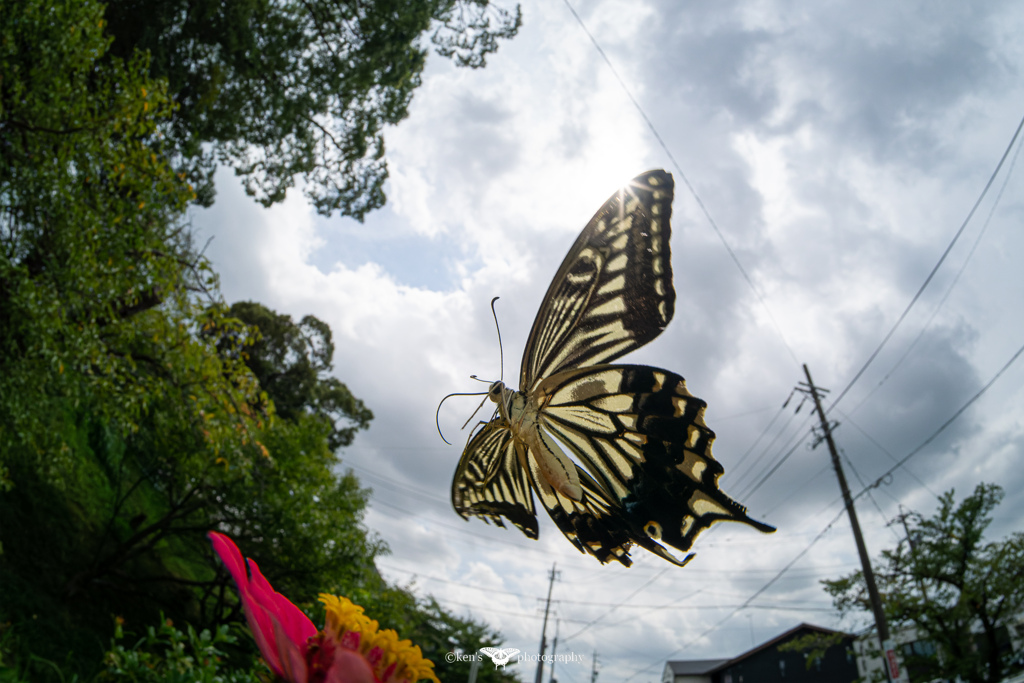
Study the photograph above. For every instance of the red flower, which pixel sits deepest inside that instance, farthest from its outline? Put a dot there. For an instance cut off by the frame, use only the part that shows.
(349, 650)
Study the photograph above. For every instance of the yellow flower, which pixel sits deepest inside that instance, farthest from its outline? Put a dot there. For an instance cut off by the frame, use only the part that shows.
(393, 660)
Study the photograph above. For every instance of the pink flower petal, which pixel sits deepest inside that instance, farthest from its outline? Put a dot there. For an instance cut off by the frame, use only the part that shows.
(351, 640)
(294, 621)
(259, 619)
(279, 627)
(293, 657)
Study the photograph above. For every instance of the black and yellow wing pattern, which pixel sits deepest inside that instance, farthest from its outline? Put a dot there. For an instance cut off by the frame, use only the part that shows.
(643, 472)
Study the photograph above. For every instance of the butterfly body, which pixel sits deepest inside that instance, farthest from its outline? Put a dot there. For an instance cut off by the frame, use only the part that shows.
(647, 474)
(523, 414)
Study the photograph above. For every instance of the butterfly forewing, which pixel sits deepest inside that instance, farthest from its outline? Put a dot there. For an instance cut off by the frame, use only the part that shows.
(613, 292)
(491, 481)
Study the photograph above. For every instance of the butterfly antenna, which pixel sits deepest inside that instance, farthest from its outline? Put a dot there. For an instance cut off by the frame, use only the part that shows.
(437, 415)
(501, 352)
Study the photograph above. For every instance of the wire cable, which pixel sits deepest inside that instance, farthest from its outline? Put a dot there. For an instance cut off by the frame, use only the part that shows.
(934, 270)
(849, 420)
(942, 428)
(627, 599)
(686, 181)
(952, 286)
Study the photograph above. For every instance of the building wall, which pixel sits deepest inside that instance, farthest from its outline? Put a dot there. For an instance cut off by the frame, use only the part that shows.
(667, 677)
(772, 666)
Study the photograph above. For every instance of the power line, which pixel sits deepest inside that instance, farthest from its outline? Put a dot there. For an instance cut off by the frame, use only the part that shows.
(760, 436)
(774, 469)
(944, 425)
(799, 487)
(934, 270)
(949, 290)
(796, 439)
(874, 501)
(487, 589)
(849, 420)
(627, 599)
(686, 181)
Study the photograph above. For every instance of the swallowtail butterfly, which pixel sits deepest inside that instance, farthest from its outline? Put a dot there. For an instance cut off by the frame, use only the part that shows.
(647, 474)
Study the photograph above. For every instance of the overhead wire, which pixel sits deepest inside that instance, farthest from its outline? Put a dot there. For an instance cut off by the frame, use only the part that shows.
(797, 438)
(686, 181)
(952, 285)
(849, 420)
(767, 428)
(799, 487)
(775, 468)
(945, 424)
(934, 270)
(590, 603)
(627, 599)
(871, 496)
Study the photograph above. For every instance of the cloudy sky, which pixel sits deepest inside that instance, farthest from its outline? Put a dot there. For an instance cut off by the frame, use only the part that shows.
(837, 146)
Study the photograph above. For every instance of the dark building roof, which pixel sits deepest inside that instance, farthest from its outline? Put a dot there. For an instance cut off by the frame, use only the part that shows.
(690, 667)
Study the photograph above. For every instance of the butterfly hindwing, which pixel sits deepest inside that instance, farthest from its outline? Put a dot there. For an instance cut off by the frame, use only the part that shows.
(613, 292)
(595, 524)
(491, 481)
(642, 435)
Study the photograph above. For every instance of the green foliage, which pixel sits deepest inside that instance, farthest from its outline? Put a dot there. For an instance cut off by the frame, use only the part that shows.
(281, 89)
(130, 420)
(166, 655)
(959, 592)
(814, 645)
(298, 519)
(98, 280)
(292, 362)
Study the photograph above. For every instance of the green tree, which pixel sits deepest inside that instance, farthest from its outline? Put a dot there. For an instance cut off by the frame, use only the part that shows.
(440, 632)
(292, 362)
(281, 89)
(125, 530)
(100, 288)
(130, 423)
(813, 646)
(172, 480)
(956, 590)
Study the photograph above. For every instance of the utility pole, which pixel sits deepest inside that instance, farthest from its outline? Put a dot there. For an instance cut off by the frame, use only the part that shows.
(593, 668)
(544, 630)
(474, 668)
(865, 562)
(554, 650)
